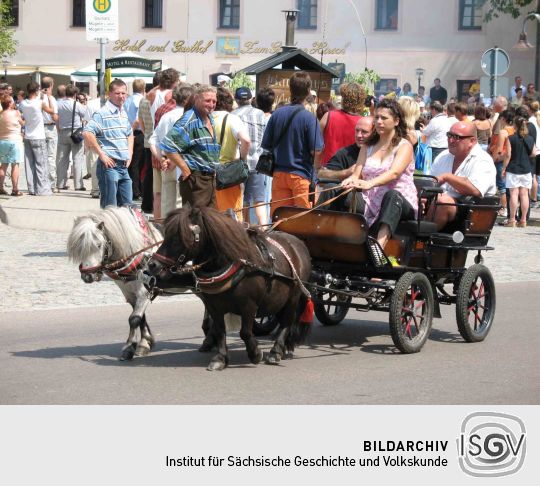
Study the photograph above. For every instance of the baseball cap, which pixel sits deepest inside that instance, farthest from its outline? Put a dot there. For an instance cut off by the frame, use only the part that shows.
(243, 93)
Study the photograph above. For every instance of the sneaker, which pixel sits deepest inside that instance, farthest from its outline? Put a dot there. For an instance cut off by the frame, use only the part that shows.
(502, 213)
(81, 189)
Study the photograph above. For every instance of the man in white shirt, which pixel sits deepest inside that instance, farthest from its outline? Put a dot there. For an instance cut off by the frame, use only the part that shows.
(51, 133)
(435, 131)
(35, 145)
(170, 173)
(518, 83)
(464, 170)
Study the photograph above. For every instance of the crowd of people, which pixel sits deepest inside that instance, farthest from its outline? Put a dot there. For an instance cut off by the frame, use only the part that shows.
(164, 146)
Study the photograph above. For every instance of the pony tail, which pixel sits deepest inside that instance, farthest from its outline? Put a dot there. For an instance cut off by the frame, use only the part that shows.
(521, 126)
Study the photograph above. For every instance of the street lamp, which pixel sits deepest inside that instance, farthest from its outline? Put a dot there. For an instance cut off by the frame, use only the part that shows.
(523, 43)
(419, 73)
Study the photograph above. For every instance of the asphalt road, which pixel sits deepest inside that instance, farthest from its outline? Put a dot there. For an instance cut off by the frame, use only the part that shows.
(69, 356)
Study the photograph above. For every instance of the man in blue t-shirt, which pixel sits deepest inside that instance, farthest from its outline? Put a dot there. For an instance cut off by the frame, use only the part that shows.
(297, 151)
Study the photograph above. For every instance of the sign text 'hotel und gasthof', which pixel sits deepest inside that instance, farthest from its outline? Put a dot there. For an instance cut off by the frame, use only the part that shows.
(232, 48)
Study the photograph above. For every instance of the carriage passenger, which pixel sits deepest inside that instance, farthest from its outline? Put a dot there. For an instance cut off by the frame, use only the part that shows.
(384, 172)
(341, 166)
(463, 170)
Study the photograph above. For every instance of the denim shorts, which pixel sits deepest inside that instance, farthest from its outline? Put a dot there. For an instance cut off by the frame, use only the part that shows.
(255, 188)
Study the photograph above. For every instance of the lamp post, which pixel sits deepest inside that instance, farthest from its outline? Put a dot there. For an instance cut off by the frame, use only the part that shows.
(5, 64)
(524, 44)
(419, 73)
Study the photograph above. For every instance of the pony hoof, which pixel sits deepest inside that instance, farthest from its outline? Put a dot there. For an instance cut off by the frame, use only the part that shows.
(142, 351)
(257, 358)
(273, 359)
(216, 366)
(127, 353)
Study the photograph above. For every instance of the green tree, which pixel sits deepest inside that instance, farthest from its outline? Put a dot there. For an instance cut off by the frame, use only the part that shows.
(515, 8)
(8, 45)
(241, 79)
(366, 78)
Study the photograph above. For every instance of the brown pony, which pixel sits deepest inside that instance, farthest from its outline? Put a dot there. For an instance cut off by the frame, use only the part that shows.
(248, 273)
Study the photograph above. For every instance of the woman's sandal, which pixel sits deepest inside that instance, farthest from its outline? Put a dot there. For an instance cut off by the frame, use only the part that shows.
(17, 193)
(510, 224)
(522, 224)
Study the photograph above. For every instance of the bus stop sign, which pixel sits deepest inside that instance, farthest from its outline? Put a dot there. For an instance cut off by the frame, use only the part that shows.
(495, 62)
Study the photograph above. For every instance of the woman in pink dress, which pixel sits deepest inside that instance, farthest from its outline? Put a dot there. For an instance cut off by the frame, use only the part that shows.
(384, 172)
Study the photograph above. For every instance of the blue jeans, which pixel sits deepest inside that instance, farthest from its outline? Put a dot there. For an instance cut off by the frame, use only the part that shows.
(501, 185)
(114, 184)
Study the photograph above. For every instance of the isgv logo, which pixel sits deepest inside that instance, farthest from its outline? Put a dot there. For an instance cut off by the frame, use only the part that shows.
(491, 444)
(102, 6)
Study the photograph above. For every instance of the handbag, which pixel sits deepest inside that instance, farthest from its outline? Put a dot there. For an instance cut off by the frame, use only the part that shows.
(266, 163)
(77, 135)
(232, 173)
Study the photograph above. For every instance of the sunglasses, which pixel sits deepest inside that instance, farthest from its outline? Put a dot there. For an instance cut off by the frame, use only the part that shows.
(457, 137)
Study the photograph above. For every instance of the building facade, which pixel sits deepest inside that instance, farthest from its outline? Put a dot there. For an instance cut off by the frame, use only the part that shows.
(445, 38)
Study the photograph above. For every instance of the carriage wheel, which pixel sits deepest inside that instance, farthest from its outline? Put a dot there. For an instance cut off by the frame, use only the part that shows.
(411, 312)
(334, 311)
(262, 326)
(475, 303)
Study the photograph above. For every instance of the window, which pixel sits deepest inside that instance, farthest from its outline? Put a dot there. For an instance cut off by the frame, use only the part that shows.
(385, 86)
(79, 13)
(153, 14)
(13, 12)
(470, 15)
(307, 17)
(229, 14)
(387, 15)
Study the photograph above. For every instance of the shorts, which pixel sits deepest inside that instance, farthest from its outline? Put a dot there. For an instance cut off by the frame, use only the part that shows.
(255, 188)
(9, 152)
(514, 181)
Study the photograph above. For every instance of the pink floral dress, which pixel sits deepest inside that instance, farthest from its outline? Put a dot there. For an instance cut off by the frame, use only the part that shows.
(404, 184)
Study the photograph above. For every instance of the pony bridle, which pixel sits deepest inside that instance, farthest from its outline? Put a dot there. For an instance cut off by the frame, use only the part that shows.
(98, 270)
(176, 266)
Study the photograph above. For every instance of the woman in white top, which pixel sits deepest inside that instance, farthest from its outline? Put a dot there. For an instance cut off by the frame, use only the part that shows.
(11, 123)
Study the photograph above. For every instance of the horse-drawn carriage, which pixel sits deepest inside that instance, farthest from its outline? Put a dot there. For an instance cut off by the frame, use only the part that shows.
(420, 268)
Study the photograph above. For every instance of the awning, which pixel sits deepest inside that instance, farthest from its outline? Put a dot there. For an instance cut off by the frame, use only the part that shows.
(89, 73)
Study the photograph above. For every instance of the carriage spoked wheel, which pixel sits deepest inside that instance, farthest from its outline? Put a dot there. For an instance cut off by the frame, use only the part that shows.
(262, 326)
(334, 309)
(475, 303)
(411, 312)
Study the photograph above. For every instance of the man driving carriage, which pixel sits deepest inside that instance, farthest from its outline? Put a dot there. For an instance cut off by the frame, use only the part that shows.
(463, 170)
(341, 166)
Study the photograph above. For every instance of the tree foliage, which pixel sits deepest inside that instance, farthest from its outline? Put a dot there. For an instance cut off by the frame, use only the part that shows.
(241, 79)
(8, 44)
(366, 78)
(495, 8)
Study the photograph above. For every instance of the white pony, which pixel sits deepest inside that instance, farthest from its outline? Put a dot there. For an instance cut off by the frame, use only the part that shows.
(104, 242)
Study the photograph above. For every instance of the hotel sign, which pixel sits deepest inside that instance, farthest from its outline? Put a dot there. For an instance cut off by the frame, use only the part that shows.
(130, 62)
(101, 19)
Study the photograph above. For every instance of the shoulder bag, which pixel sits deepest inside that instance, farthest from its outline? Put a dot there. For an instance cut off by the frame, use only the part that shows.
(77, 135)
(266, 162)
(231, 173)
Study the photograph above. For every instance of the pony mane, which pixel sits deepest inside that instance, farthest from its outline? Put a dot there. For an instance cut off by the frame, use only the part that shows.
(120, 227)
(225, 236)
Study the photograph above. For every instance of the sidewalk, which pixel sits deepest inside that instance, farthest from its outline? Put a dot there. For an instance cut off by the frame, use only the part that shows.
(56, 213)
(46, 213)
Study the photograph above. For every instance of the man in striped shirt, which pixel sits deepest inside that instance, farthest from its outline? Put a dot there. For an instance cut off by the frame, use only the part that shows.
(110, 135)
(192, 146)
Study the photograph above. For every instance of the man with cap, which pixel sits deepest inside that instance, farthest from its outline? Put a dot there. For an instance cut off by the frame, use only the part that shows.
(255, 121)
